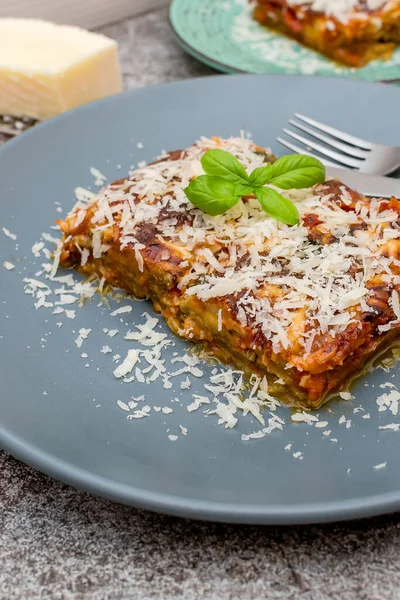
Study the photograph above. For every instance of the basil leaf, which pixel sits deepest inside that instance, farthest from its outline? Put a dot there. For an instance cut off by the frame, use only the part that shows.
(220, 163)
(243, 189)
(213, 195)
(260, 176)
(296, 171)
(277, 206)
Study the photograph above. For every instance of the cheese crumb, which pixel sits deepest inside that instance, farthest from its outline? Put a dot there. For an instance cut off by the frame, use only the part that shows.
(98, 175)
(8, 233)
(220, 319)
(380, 466)
(83, 334)
(392, 426)
(303, 417)
(346, 396)
(186, 384)
(123, 405)
(127, 365)
(36, 248)
(389, 400)
(105, 349)
(122, 310)
(8, 265)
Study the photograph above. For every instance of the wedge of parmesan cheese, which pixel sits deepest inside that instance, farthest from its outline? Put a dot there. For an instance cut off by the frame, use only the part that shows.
(46, 69)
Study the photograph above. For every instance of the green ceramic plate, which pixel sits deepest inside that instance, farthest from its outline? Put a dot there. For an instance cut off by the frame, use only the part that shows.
(222, 34)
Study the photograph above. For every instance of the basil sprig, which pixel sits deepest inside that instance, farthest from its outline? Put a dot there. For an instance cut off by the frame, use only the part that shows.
(226, 181)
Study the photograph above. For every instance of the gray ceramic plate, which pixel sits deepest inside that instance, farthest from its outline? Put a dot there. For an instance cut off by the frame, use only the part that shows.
(61, 416)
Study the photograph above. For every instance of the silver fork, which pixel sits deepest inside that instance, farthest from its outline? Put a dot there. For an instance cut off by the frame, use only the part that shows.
(341, 148)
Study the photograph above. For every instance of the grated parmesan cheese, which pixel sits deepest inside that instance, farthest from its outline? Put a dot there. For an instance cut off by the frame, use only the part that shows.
(8, 234)
(220, 319)
(83, 334)
(342, 10)
(391, 426)
(298, 455)
(127, 365)
(9, 266)
(303, 417)
(105, 349)
(121, 311)
(123, 406)
(380, 466)
(389, 401)
(98, 175)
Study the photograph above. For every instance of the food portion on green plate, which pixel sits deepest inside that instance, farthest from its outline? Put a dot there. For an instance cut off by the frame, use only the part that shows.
(353, 33)
(226, 35)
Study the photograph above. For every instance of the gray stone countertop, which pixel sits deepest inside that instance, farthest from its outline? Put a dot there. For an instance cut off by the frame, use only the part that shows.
(59, 543)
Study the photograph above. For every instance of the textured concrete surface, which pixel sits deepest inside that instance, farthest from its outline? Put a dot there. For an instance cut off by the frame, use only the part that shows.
(149, 53)
(59, 543)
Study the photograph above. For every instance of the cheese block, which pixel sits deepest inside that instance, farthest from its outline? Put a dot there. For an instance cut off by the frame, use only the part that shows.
(46, 69)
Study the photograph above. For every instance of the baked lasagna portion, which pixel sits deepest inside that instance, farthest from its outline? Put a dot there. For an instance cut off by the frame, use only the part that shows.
(305, 306)
(352, 32)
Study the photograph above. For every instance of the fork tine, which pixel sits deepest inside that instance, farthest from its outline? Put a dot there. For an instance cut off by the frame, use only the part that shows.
(341, 135)
(299, 150)
(342, 158)
(351, 150)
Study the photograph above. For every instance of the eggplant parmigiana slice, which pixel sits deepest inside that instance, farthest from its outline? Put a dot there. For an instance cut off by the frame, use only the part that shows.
(352, 32)
(305, 306)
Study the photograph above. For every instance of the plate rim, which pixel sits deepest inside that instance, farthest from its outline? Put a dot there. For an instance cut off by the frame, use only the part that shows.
(40, 125)
(71, 474)
(203, 58)
(178, 506)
